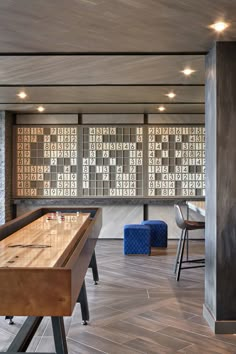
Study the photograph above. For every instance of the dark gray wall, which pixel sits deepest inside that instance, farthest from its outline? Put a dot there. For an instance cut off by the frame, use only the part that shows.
(6, 121)
(220, 282)
(211, 192)
(2, 167)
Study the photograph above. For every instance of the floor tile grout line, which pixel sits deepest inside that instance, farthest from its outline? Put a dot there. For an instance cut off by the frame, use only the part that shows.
(100, 336)
(178, 339)
(171, 318)
(198, 334)
(3, 330)
(188, 347)
(42, 336)
(109, 341)
(139, 326)
(186, 319)
(89, 346)
(133, 311)
(155, 321)
(191, 317)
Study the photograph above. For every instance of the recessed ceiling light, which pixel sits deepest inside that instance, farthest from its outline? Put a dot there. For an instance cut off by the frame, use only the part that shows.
(188, 71)
(41, 109)
(170, 94)
(161, 108)
(219, 26)
(22, 94)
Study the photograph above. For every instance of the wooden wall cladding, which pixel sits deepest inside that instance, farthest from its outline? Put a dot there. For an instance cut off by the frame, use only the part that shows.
(109, 161)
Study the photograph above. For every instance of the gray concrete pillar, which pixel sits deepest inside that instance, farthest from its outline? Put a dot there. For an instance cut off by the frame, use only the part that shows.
(6, 121)
(220, 277)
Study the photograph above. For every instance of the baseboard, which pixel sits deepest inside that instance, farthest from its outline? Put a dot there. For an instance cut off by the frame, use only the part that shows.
(169, 239)
(218, 327)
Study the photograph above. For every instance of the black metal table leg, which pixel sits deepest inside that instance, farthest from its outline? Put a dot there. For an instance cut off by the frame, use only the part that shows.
(93, 265)
(25, 335)
(59, 335)
(10, 318)
(83, 300)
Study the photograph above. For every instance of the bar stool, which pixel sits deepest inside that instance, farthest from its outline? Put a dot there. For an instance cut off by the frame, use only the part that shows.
(185, 226)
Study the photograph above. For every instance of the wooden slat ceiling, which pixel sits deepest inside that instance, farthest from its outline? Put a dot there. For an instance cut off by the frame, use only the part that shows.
(112, 26)
(71, 70)
(97, 94)
(105, 108)
(102, 56)
(101, 83)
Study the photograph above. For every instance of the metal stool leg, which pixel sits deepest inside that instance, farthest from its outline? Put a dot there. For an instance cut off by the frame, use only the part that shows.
(181, 256)
(187, 239)
(178, 251)
(187, 247)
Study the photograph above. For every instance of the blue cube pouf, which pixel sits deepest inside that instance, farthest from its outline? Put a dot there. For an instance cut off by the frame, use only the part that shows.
(137, 239)
(158, 232)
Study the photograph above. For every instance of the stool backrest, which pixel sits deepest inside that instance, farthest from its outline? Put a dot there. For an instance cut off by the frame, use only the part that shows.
(179, 218)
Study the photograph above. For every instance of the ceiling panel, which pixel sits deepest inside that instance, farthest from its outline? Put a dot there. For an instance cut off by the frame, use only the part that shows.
(103, 94)
(104, 108)
(90, 70)
(117, 25)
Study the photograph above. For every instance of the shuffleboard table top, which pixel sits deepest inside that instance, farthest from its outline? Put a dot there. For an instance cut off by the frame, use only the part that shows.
(45, 242)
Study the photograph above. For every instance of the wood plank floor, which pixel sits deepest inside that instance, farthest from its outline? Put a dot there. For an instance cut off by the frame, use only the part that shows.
(137, 307)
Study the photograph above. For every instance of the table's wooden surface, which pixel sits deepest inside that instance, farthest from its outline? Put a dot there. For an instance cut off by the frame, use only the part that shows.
(42, 242)
(198, 206)
(42, 282)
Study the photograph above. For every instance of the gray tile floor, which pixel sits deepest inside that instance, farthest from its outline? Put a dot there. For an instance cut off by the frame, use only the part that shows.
(137, 307)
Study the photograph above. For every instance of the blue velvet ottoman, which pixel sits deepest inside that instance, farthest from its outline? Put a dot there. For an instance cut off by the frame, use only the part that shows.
(137, 239)
(158, 230)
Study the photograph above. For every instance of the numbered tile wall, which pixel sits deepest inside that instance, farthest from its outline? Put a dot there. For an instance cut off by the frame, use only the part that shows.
(46, 164)
(176, 161)
(113, 161)
(109, 161)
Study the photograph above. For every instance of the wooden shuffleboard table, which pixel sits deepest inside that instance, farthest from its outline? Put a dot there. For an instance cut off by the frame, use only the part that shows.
(44, 256)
